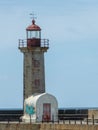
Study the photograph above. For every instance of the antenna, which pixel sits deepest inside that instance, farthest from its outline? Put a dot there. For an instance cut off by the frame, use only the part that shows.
(33, 16)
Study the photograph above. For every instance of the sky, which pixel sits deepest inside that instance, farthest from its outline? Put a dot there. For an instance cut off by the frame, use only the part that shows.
(71, 63)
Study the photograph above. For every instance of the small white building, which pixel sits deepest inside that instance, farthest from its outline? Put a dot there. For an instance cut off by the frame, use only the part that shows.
(40, 107)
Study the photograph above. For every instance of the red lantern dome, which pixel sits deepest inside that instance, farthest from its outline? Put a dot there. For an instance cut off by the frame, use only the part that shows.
(33, 27)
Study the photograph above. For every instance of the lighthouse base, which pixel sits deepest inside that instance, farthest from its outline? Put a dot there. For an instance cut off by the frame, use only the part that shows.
(40, 107)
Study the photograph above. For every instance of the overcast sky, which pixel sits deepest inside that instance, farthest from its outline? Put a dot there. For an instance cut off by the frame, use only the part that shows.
(71, 63)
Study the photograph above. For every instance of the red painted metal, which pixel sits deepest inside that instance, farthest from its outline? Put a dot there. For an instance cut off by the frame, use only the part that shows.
(47, 112)
(34, 42)
(33, 27)
(43, 43)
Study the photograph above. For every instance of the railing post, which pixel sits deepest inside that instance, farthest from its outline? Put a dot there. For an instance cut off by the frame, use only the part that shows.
(42, 118)
(58, 121)
(81, 121)
(93, 119)
(69, 121)
(75, 121)
(22, 43)
(8, 120)
(44, 42)
(19, 120)
(52, 118)
(63, 121)
(87, 121)
(30, 119)
(47, 43)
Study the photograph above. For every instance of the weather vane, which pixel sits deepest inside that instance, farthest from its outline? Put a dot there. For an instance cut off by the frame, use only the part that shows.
(32, 16)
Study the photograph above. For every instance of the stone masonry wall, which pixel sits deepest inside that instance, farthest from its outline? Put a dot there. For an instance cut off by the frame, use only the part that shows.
(15, 126)
(68, 127)
(93, 113)
(34, 73)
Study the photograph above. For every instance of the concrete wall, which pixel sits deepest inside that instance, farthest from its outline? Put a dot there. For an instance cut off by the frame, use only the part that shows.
(14, 126)
(93, 113)
(67, 127)
(34, 70)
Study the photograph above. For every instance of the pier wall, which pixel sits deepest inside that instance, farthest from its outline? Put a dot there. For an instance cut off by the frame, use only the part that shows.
(68, 127)
(14, 126)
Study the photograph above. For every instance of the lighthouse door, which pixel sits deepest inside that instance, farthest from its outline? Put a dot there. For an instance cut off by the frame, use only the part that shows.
(47, 112)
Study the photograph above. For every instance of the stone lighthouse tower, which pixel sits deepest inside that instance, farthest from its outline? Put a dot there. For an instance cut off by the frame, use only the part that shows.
(38, 105)
(33, 49)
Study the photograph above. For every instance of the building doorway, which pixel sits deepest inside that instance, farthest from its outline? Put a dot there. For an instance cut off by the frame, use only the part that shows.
(46, 112)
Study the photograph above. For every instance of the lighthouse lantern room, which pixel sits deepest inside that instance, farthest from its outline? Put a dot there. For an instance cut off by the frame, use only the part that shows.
(33, 35)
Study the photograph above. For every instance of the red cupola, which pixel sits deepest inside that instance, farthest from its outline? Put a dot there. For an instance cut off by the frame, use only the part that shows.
(33, 35)
(33, 27)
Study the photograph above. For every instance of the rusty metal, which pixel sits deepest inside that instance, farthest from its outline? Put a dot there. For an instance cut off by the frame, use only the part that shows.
(34, 42)
(43, 43)
(33, 27)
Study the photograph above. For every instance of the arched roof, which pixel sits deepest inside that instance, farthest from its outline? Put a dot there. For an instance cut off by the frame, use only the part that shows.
(34, 98)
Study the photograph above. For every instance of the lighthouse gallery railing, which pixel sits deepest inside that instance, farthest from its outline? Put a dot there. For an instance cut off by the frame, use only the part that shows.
(43, 43)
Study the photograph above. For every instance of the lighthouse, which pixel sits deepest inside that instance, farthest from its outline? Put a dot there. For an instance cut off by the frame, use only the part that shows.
(38, 105)
(33, 49)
